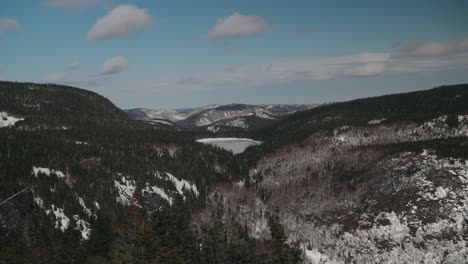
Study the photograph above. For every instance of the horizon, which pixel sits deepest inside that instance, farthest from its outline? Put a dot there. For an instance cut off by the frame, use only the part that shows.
(168, 55)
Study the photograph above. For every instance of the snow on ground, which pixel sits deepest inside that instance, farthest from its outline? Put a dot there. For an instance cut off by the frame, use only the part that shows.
(204, 121)
(408, 236)
(240, 184)
(125, 188)
(262, 114)
(432, 129)
(39, 202)
(161, 122)
(7, 120)
(47, 172)
(182, 184)
(36, 171)
(213, 129)
(154, 189)
(239, 122)
(314, 256)
(83, 227)
(61, 220)
(85, 209)
(376, 121)
(235, 145)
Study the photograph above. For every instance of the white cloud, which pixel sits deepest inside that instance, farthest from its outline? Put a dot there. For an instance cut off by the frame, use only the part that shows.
(61, 76)
(366, 69)
(66, 74)
(236, 26)
(75, 4)
(122, 21)
(114, 65)
(8, 25)
(425, 49)
(277, 72)
(307, 70)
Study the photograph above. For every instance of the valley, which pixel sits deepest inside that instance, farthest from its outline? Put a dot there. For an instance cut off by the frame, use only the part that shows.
(374, 180)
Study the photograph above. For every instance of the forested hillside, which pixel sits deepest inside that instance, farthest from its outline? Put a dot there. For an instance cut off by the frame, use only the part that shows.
(102, 188)
(367, 181)
(390, 109)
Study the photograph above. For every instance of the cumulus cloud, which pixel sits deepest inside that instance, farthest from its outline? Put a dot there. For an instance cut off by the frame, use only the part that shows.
(122, 21)
(237, 26)
(427, 49)
(76, 4)
(114, 65)
(8, 25)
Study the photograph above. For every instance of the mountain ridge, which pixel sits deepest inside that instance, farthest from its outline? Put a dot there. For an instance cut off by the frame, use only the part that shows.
(216, 117)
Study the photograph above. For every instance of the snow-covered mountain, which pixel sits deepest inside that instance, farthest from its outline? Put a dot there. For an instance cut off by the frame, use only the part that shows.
(216, 117)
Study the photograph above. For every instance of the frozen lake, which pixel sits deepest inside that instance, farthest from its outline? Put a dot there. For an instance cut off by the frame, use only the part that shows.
(235, 145)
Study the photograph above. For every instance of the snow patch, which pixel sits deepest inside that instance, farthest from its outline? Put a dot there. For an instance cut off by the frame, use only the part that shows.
(7, 120)
(315, 257)
(213, 129)
(240, 184)
(39, 202)
(182, 185)
(156, 190)
(164, 122)
(376, 121)
(125, 188)
(83, 227)
(61, 220)
(83, 205)
(47, 172)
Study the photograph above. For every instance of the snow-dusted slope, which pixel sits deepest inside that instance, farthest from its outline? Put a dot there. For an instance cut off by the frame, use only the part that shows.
(388, 192)
(214, 117)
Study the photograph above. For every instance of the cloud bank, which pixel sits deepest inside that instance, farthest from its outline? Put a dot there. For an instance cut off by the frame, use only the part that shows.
(421, 58)
(425, 49)
(122, 21)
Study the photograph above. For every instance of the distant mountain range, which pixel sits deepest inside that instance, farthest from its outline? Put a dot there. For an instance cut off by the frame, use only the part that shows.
(216, 118)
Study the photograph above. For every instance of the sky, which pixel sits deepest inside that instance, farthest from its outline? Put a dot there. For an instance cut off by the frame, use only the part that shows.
(179, 53)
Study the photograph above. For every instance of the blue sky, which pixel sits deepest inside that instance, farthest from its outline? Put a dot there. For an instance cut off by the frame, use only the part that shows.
(170, 54)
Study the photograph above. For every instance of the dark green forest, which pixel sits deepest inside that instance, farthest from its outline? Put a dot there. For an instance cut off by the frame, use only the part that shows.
(56, 117)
